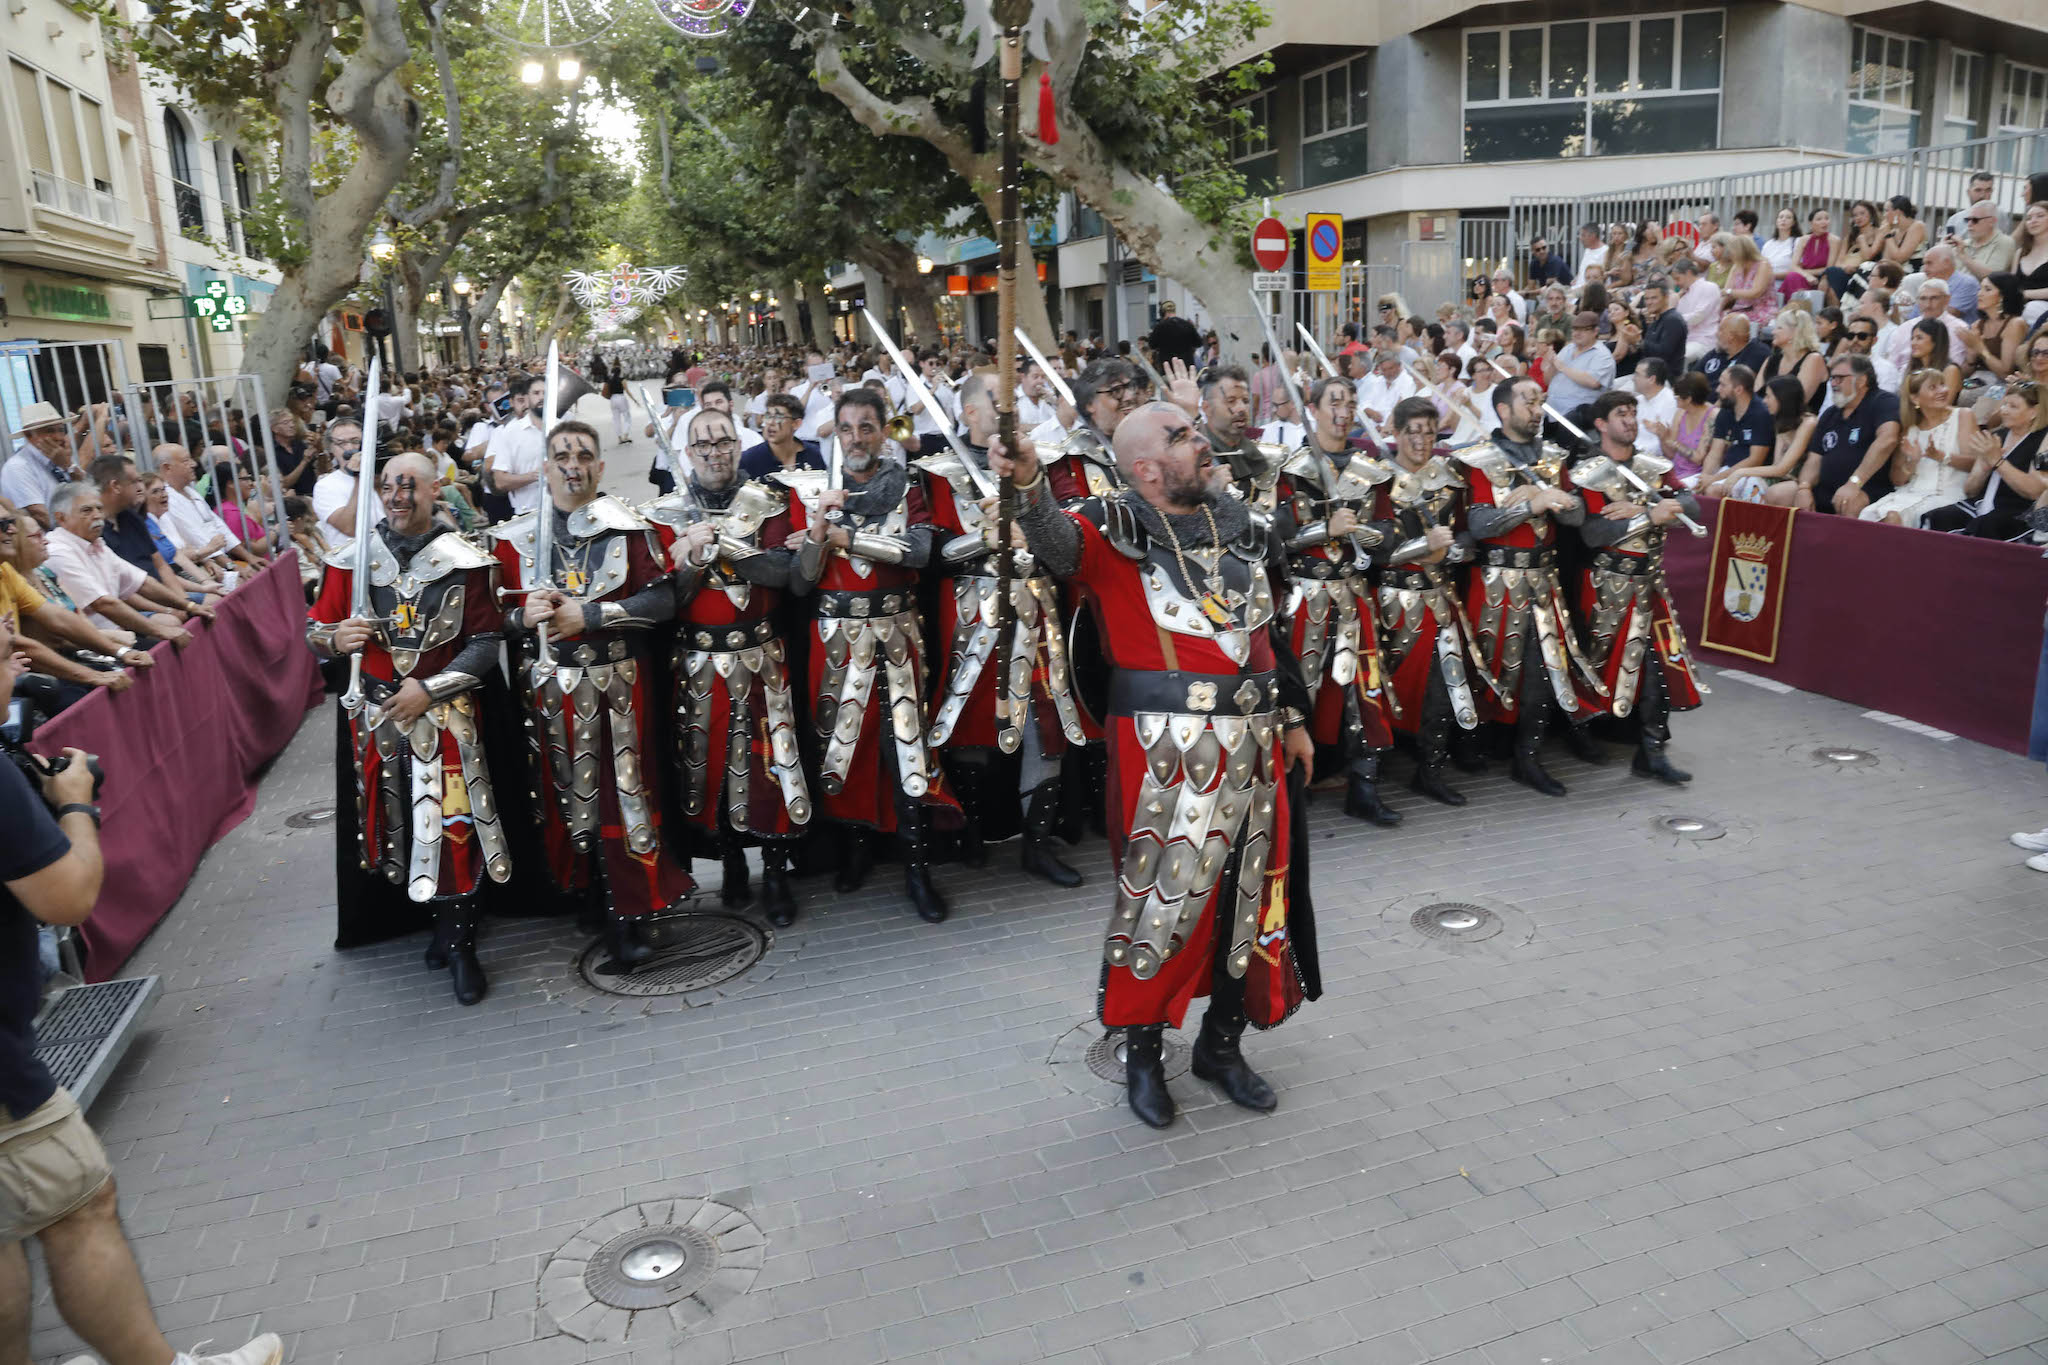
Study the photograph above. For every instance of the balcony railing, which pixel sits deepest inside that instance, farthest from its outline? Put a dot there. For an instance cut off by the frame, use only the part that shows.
(1936, 179)
(80, 201)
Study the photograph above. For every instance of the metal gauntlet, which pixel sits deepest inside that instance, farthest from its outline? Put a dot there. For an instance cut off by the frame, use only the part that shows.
(1313, 536)
(320, 636)
(1408, 551)
(963, 549)
(810, 560)
(446, 684)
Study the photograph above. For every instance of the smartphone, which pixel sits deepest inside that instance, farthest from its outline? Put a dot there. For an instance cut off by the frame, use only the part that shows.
(680, 397)
(820, 373)
(503, 405)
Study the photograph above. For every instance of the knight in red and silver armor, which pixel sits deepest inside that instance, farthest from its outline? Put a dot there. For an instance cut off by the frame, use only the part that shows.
(736, 737)
(1328, 490)
(583, 621)
(1204, 716)
(426, 816)
(1041, 717)
(1083, 465)
(1632, 634)
(1226, 424)
(1515, 601)
(860, 548)
(1426, 645)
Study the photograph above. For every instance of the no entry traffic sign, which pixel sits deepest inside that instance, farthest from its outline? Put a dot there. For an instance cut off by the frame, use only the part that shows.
(1325, 241)
(1272, 244)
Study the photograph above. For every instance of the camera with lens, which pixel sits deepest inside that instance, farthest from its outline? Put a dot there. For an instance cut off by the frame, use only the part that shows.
(34, 701)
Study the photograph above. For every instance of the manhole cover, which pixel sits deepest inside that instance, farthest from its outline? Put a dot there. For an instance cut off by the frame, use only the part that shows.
(651, 1269)
(1105, 1056)
(1843, 756)
(312, 817)
(1695, 827)
(692, 953)
(1456, 920)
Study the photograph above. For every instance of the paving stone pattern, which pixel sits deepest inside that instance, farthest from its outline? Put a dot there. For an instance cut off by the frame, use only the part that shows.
(1770, 1099)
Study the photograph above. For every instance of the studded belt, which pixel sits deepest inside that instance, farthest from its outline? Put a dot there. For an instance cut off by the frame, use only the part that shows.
(1410, 578)
(1520, 557)
(1614, 561)
(866, 605)
(593, 650)
(1309, 566)
(736, 635)
(1217, 694)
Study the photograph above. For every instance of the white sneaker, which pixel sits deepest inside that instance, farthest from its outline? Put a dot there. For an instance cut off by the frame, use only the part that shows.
(264, 1350)
(2039, 862)
(2037, 842)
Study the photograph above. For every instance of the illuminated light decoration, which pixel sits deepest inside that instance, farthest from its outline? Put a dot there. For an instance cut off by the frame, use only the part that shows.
(548, 23)
(568, 69)
(703, 18)
(533, 73)
(624, 284)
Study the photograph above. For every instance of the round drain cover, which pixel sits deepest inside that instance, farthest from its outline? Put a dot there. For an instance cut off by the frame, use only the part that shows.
(1695, 827)
(651, 1267)
(1844, 756)
(1105, 1056)
(692, 952)
(312, 817)
(1455, 920)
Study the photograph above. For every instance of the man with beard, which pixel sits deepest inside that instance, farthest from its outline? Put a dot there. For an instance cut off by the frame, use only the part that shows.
(582, 625)
(743, 779)
(1426, 640)
(1084, 466)
(1036, 403)
(1042, 718)
(860, 548)
(1226, 425)
(426, 818)
(1632, 634)
(1327, 490)
(1205, 716)
(1516, 599)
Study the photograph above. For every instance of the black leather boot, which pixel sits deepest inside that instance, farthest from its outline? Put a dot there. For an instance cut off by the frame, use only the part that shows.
(466, 971)
(1653, 713)
(778, 899)
(1432, 739)
(1651, 762)
(1145, 1075)
(734, 890)
(855, 859)
(1039, 857)
(1218, 1060)
(629, 950)
(437, 944)
(1526, 767)
(1362, 794)
(966, 778)
(931, 907)
(1584, 747)
(1468, 749)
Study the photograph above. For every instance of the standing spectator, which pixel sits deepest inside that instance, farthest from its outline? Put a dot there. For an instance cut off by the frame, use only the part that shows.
(1853, 442)
(1733, 345)
(293, 451)
(42, 460)
(1173, 337)
(781, 448)
(334, 496)
(517, 450)
(1582, 370)
(1748, 290)
(1698, 305)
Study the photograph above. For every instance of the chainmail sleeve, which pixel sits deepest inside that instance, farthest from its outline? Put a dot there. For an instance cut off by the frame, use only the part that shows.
(1602, 531)
(1488, 522)
(651, 605)
(1050, 532)
(768, 569)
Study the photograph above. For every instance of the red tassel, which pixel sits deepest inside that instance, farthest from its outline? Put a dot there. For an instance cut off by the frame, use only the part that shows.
(1048, 125)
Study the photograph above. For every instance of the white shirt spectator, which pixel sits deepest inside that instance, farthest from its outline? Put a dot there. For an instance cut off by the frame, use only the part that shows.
(325, 376)
(817, 401)
(1700, 306)
(893, 385)
(190, 522)
(479, 435)
(1035, 412)
(1589, 255)
(1567, 393)
(1962, 292)
(1381, 395)
(28, 477)
(1661, 409)
(670, 424)
(1287, 435)
(332, 492)
(1048, 433)
(519, 448)
(88, 571)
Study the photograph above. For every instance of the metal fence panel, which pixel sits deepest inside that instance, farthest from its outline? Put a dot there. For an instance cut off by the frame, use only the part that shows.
(1431, 274)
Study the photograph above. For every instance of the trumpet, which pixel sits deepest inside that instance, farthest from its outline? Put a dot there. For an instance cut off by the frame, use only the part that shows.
(900, 427)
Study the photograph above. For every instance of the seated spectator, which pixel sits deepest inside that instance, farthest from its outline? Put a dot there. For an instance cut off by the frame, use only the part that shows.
(1810, 256)
(1622, 334)
(1743, 436)
(1707, 225)
(1927, 349)
(1664, 330)
(1997, 343)
(1853, 443)
(1733, 345)
(1581, 370)
(1827, 326)
(1546, 266)
(1481, 375)
(156, 506)
(1718, 263)
(1940, 263)
(1592, 251)
(1903, 237)
(1656, 405)
(1795, 353)
(1698, 305)
(59, 643)
(43, 459)
(1981, 249)
(1933, 464)
(126, 531)
(1748, 290)
(1504, 288)
(1775, 480)
(1859, 338)
(1933, 301)
(108, 589)
(1388, 384)
(1856, 252)
(1643, 257)
(2005, 480)
(2030, 259)
(1780, 250)
(193, 523)
(242, 506)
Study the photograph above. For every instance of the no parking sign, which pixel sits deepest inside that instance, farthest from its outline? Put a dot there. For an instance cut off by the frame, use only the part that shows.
(1324, 239)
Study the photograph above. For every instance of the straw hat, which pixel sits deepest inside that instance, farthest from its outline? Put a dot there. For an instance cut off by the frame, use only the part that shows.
(37, 415)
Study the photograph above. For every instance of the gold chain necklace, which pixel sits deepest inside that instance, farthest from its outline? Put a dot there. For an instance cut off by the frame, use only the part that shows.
(1213, 604)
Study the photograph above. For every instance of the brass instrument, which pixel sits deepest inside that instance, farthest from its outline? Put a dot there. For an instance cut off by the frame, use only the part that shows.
(900, 427)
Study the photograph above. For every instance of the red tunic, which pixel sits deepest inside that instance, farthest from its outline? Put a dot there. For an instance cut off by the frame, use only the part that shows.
(1366, 691)
(1647, 610)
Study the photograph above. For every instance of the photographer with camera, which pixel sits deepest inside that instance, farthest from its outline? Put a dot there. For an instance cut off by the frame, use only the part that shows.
(55, 1183)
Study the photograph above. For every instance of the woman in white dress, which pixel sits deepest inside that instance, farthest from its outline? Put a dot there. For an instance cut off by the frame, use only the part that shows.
(1932, 468)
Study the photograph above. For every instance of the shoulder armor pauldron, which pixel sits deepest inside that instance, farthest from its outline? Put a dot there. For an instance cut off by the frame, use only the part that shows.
(1652, 468)
(805, 483)
(518, 533)
(448, 553)
(1119, 526)
(1251, 543)
(1489, 460)
(605, 513)
(383, 563)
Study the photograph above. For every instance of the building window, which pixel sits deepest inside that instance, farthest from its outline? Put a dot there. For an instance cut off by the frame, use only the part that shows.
(1333, 104)
(184, 181)
(1884, 107)
(1615, 87)
(1965, 76)
(65, 134)
(1251, 144)
(2022, 108)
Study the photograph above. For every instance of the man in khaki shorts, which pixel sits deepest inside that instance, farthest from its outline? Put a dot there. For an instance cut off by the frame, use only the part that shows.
(54, 1180)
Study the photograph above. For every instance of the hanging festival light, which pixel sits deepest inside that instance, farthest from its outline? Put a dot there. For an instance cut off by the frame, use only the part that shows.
(532, 72)
(703, 18)
(568, 69)
(625, 284)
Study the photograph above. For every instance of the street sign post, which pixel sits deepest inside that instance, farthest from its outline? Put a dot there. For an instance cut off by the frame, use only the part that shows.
(1272, 245)
(1325, 241)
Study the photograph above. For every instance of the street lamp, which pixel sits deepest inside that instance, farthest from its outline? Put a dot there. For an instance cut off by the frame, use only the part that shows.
(382, 248)
(568, 69)
(924, 265)
(462, 286)
(532, 72)
(755, 296)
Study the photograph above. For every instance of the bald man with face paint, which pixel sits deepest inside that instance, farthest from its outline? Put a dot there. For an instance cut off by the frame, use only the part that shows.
(426, 819)
(1205, 717)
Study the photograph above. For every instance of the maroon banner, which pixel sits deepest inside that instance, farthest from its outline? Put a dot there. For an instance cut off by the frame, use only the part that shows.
(1746, 579)
(181, 750)
(1941, 629)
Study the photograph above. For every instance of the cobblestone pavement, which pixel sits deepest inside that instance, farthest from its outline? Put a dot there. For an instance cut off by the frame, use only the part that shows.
(1776, 1097)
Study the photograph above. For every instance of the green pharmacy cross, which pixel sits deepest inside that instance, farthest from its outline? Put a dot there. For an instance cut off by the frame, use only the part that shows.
(217, 306)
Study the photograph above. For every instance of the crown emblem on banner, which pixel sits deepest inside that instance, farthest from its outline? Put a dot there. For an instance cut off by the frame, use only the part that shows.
(1752, 546)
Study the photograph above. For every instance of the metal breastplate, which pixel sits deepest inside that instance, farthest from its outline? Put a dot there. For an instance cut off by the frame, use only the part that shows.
(420, 607)
(1422, 497)
(591, 569)
(1243, 605)
(741, 520)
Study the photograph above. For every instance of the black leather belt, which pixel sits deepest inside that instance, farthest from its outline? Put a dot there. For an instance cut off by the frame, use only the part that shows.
(1414, 578)
(866, 605)
(1310, 566)
(1520, 557)
(736, 635)
(1207, 694)
(1614, 561)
